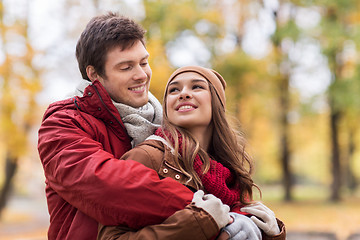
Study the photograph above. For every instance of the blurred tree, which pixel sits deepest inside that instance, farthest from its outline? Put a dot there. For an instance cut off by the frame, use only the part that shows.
(253, 82)
(241, 72)
(340, 26)
(169, 25)
(285, 29)
(282, 81)
(20, 84)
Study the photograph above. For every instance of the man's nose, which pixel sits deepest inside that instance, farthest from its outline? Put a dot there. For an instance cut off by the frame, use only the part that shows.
(140, 73)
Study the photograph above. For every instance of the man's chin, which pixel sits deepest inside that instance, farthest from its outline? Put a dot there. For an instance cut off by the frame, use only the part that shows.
(137, 104)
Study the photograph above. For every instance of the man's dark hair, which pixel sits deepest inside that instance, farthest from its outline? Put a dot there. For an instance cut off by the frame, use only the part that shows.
(101, 35)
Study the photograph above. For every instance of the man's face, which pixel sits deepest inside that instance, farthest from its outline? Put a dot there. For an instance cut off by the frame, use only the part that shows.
(127, 75)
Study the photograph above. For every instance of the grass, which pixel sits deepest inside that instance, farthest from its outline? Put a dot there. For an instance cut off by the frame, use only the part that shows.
(311, 211)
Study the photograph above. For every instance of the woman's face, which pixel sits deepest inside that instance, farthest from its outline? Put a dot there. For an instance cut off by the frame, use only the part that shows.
(188, 102)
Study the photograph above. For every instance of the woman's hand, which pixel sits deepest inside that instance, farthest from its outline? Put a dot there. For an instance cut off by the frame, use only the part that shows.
(263, 217)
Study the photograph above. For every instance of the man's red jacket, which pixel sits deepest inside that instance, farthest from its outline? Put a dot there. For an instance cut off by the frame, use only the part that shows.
(80, 142)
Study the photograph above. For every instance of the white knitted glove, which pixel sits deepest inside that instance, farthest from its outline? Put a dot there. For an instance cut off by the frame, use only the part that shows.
(213, 206)
(243, 228)
(263, 217)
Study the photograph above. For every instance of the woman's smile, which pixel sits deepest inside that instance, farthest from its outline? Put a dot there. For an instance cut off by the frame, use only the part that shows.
(185, 107)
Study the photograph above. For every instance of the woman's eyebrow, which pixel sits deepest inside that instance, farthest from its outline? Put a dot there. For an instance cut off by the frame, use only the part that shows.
(193, 80)
(199, 80)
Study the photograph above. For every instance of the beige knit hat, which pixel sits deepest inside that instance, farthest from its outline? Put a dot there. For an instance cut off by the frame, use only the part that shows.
(212, 76)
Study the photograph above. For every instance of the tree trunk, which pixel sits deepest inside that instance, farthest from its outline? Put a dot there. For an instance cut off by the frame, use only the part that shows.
(350, 178)
(10, 170)
(335, 158)
(284, 139)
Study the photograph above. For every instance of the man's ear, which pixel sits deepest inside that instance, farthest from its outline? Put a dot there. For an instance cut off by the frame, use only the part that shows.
(91, 73)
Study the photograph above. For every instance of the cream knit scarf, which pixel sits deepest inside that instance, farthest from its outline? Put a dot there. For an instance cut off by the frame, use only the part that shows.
(139, 122)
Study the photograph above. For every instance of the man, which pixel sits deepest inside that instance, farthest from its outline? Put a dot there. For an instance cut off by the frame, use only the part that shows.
(82, 138)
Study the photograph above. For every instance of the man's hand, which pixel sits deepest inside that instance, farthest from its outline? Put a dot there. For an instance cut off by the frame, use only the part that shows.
(213, 206)
(243, 228)
(263, 217)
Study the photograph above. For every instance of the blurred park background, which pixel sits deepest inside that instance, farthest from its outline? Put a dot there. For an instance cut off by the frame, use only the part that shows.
(293, 74)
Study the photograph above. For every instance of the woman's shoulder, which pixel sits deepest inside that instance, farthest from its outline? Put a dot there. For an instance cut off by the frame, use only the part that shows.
(150, 153)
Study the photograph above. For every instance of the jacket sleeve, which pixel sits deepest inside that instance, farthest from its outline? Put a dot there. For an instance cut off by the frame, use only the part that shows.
(189, 223)
(112, 191)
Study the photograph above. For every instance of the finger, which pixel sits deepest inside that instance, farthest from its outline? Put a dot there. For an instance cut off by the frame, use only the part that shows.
(253, 211)
(208, 197)
(241, 235)
(265, 208)
(237, 225)
(231, 220)
(259, 223)
(258, 213)
(198, 196)
(261, 206)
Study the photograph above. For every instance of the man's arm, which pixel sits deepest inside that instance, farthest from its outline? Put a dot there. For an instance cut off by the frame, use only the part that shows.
(189, 223)
(111, 191)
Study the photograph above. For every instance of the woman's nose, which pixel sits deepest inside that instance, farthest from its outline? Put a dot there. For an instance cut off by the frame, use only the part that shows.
(185, 94)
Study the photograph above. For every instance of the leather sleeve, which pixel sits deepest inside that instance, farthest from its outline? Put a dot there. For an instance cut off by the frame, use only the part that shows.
(141, 155)
(189, 223)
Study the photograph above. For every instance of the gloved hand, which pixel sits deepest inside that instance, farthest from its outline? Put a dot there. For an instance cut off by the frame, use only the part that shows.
(214, 206)
(243, 228)
(263, 217)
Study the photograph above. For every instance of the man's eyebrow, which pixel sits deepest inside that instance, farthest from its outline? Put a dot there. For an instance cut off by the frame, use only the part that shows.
(132, 61)
(146, 56)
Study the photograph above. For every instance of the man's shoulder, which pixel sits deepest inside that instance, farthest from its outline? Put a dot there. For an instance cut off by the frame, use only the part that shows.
(61, 105)
(68, 110)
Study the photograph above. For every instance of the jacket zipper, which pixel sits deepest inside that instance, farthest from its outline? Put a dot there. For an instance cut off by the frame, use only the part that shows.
(106, 107)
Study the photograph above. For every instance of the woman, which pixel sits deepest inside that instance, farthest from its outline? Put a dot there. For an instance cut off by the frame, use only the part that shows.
(197, 147)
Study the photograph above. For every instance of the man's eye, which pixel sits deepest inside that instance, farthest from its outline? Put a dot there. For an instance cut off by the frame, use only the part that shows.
(125, 68)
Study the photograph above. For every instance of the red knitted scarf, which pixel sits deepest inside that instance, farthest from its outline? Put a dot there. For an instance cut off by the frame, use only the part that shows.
(217, 180)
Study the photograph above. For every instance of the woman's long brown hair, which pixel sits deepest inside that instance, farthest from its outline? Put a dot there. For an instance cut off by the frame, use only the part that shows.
(227, 147)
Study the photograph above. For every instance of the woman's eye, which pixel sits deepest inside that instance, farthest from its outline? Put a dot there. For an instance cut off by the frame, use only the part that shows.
(171, 90)
(198, 87)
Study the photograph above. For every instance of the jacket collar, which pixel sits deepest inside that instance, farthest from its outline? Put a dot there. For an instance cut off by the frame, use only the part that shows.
(168, 159)
(97, 102)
